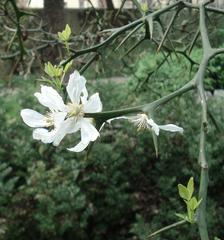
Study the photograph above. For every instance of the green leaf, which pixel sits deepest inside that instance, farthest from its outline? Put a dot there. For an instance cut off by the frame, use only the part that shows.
(190, 186)
(183, 192)
(58, 72)
(65, 34)
(193, 203)
(144, 7)
(183, 216)
(52, 71)
(67, 66)
(68, 30)
(45, 80)
(49, 69)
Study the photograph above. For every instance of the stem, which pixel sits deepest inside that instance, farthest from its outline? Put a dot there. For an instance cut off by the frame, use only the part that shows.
(18, 27)
(167, 228)
(202, 225)
(208, 53)
(149, 107)
(187, 87)
(119, 31)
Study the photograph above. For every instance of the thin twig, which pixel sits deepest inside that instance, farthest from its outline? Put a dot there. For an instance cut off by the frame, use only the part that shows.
(174, 225)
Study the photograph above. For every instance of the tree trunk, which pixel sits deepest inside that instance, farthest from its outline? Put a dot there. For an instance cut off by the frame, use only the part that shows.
(54, 15)
(110, 5)
(106, 4)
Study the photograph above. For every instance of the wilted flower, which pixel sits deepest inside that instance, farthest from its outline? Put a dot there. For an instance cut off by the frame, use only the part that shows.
(142, 122)
(63, 119)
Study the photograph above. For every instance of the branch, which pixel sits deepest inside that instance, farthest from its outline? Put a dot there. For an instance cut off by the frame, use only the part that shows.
(120, 31)
(149, 107)
(200, 76)
(174, 225)
(19, 14)
(210, 9)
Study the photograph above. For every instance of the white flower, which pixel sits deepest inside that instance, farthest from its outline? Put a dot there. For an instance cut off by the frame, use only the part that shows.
(49, 98)
(142, 122)
(65, 119)
(78, 107)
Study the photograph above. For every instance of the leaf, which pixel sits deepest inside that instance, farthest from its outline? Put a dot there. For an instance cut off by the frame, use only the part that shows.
(49, 69)
(65, 34)
(68, 30)
(67, 66)
(183, 216)
(45, 80)
(193, 203)
(53, 71)
(144, 7)
(190, 186)
(183, 192)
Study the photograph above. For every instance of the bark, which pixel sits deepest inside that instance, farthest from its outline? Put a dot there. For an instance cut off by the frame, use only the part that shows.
(54, 15)
(110, 5)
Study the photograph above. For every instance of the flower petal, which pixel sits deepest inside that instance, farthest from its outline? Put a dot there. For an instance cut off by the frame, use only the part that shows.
(66, 127)
(33, 118)
(76, 85)
(171, 128)
(84, 96)
(44, 135)
(88, 131)
(50, 98)
(79, 147)
(94, 104)
(117, 118)
(58, 117)
(154, 126)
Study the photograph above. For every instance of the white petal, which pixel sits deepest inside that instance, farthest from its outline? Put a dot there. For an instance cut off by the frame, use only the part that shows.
(50, 98)
(154, 126)
(76, 85)
(88, 131)
(58, 117)
(79, 147)
(117, 118)
(66, 127)
(93, 104)
(44, 135)
(171, 128)
(33, 118)
(84, 96)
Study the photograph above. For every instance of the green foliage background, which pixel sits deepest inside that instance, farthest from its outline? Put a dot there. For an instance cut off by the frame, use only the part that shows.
(122, 191)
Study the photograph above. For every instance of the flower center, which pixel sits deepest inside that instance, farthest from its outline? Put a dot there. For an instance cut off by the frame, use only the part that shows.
(75, 110)
(49, 120)
(141, 122)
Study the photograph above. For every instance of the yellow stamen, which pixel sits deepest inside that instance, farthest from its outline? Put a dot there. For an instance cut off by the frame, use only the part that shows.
(49, 120)
(75, 110)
